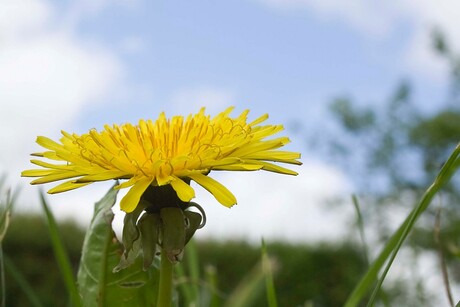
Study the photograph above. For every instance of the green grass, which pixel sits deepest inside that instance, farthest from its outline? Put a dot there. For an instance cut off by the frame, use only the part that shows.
(392, 247)
(61, 255)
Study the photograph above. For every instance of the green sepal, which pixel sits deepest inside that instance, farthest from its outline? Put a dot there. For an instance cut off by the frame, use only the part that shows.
(130, 232)
(128, 257)
(193, 222)
(130, 236)
(173, 233)
(149, 226)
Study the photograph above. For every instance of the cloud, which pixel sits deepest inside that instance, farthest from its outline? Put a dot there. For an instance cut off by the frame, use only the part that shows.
(383, 19)
(373, 17)
(47, 76)
(270, 206)
(22, 18)
(278, 206)
(84, 9)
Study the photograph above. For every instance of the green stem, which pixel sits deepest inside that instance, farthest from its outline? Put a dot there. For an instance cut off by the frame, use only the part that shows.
(165, 287)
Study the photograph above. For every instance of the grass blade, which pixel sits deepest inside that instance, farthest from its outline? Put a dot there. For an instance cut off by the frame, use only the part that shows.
(22, 282)
(5, 215)
(189, 286)
(395, 242)
(247, 289)
(2, 277)
(360, 222)
(267, 268)
(193, 267)
(211, 278)
(61, 255)
(183, 284)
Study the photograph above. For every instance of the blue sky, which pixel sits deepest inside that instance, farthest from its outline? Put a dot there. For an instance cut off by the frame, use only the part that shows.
(78, 65)
(289, 62)
(253, 55)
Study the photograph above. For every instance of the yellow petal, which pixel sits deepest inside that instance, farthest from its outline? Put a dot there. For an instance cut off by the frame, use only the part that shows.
(275, 155)
(132, 181)
(67, 186)
(106, 175)
(48, 143)
(238, 167)
(276, 168)
(184, 191)
(49, 165)
(132, 198)
(259, 120)
(220, 192)
(260, 146)
(55, 176)
(36, 172)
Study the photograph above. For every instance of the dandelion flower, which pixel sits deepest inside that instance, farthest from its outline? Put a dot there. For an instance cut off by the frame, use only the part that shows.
(164, 152)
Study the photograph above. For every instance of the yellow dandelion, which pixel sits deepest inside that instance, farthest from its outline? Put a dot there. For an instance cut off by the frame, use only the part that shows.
(164, 152)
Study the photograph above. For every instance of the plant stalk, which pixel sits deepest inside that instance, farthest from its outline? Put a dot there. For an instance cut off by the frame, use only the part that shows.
(166, 278)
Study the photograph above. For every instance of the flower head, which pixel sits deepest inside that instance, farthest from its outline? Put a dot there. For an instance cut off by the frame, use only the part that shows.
(163, 152)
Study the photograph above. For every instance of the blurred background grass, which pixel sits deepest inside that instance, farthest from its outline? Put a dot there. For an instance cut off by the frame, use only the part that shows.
(321, 274)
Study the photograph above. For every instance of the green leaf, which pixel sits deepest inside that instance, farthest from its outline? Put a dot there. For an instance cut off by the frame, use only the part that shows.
(99, 285)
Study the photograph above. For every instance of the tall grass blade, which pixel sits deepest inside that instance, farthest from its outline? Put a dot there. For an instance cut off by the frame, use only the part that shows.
(442, 258)
(189, 274)
(247, 289)
(193, 266)
(2, 278)
(393, 245)
(22, 282)
(267, 268)
(360, 221)
(61, 255)
(5, 215)
(183, 283)
(211, 277)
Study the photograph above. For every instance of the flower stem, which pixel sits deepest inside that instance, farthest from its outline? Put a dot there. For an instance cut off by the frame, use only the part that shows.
(165, 287)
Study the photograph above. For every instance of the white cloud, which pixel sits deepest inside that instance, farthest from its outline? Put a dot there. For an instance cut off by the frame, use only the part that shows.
(375, 18)
(22, 18)
(382, 19)
(277, 206)
(83, 9)
(47, 75)
(270, 206)
(190, 100)
(425, 16)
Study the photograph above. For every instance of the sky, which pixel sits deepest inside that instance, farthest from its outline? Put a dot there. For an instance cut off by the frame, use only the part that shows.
(77, 65)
